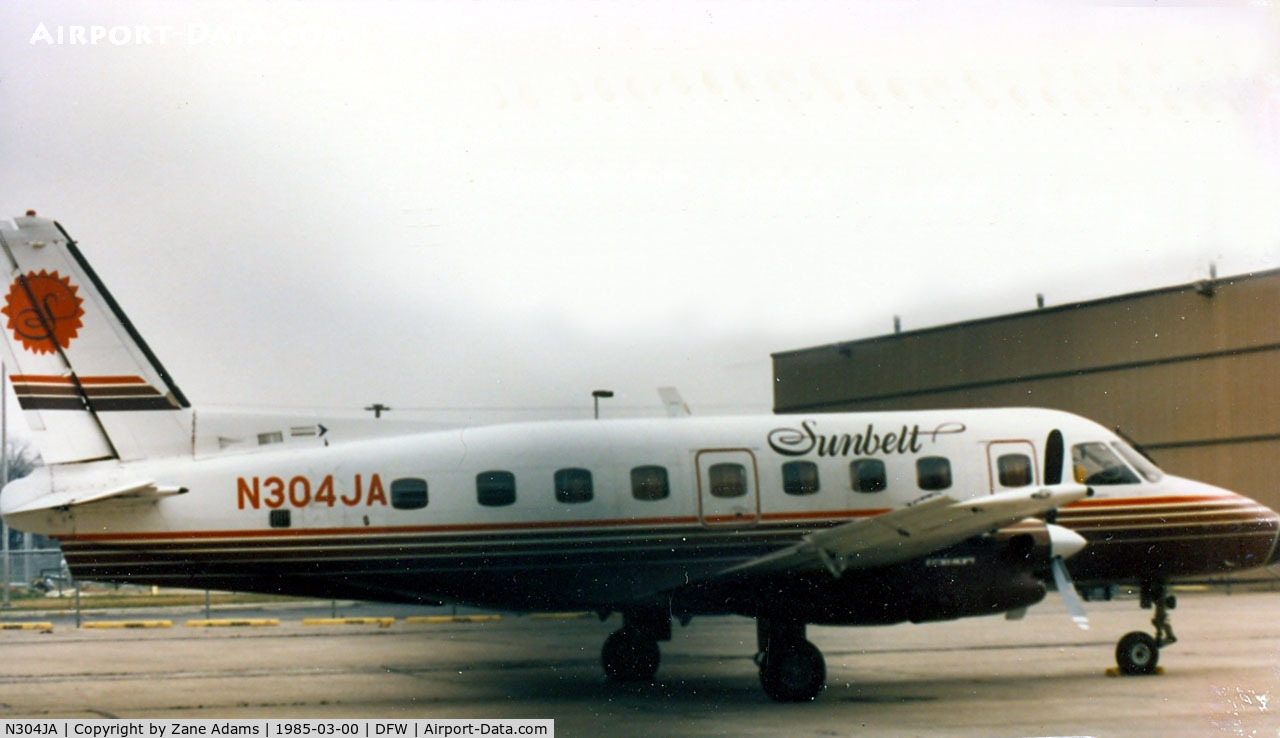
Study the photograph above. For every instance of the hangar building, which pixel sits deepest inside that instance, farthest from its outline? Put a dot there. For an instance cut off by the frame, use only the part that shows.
(1191, 373)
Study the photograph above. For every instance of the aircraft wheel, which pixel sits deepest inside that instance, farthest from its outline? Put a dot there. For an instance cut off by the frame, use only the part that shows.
(630, 656)
(793, 671)
(1137, 653)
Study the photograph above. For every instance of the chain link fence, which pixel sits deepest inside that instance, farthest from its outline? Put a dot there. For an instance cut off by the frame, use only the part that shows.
(40, 569)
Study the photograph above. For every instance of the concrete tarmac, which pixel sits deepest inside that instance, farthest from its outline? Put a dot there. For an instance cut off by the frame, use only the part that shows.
(1039, 676)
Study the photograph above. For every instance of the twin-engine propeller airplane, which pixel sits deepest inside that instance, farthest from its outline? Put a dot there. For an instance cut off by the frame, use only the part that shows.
(843, 519)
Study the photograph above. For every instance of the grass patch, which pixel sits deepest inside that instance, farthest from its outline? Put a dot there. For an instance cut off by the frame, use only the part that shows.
(99, 600)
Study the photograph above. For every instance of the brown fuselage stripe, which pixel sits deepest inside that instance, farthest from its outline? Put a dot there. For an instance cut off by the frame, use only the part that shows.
(63, 390)
(1152, 501)
(738, 550)
(675, 537)
(398, 538)
(106, 393)
(1118, 527)
(625, 526)
(1180, 536)
(99, 403)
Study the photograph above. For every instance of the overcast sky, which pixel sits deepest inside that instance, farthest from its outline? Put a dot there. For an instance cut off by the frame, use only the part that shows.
(507, 205)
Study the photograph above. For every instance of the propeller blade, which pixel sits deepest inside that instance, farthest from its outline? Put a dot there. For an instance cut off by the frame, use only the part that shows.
(1069, 595)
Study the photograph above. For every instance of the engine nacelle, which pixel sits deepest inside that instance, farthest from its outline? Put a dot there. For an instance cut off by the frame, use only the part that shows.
(982, 576)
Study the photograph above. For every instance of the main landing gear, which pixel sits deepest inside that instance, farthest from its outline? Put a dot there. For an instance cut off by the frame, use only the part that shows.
(631, 653)
(791, 668)
(1137, 652)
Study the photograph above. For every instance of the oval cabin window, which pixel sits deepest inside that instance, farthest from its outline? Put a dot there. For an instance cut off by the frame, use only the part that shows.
(800, 478)
(1015, 470)
(495, 488)
(727, 480)
(650, 483)
(409, 493)
(868, 475)
(574, 486)
(933, 473)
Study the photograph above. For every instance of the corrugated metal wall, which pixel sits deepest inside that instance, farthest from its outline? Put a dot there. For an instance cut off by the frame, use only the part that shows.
(1189, 372)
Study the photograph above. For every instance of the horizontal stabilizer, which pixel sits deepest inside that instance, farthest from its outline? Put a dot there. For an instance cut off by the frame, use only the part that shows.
(77, 498)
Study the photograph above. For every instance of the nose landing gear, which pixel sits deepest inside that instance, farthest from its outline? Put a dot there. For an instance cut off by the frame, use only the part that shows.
(1137, 652)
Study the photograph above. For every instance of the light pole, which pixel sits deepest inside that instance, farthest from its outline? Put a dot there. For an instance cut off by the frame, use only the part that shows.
(596, 396)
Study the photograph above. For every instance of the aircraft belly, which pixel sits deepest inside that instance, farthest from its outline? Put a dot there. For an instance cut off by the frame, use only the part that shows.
(1114, 558)
(509, 572)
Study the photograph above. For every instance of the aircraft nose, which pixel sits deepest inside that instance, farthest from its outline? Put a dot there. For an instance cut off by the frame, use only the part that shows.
(1271, 520)
(1274, 558)
(1232, 532)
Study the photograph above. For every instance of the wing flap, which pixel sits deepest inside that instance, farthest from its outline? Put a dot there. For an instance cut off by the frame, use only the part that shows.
(79, 498)
(925, 525)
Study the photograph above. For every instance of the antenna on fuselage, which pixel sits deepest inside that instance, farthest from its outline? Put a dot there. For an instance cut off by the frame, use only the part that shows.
(1134, 444)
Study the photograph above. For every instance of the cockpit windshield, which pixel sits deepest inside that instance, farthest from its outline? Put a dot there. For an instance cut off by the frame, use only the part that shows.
(1144, 465)
(1094, 463)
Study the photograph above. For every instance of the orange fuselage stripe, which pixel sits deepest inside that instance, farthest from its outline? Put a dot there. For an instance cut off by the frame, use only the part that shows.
(1148, 501)
(535, 526)
(58, 379)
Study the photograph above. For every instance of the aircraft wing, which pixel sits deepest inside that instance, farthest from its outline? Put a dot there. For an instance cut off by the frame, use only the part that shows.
(932, 522)
(77, 498)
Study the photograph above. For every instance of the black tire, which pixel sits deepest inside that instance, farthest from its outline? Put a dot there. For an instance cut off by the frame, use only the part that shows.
(1137, 653)
(630, 656)
(793, 671)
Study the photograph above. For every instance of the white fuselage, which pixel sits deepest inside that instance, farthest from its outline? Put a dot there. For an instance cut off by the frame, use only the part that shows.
(588, 513)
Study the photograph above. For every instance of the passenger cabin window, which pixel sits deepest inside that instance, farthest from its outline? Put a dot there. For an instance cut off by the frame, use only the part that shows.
(573, 486)
(727, 480)
(495, 488)
(409, 493)
(933, 473)
(868, 475)
(1094, 463)
(1014, 470)
(800, 478)
(650, 483)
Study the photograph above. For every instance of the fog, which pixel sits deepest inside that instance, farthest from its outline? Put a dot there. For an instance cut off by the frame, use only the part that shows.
(479, 211)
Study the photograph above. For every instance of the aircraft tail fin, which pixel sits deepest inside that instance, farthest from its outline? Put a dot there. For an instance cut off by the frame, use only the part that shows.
(88, 384)
(673, 403)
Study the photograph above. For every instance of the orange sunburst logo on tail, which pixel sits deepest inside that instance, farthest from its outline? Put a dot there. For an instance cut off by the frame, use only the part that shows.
(44, 311)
